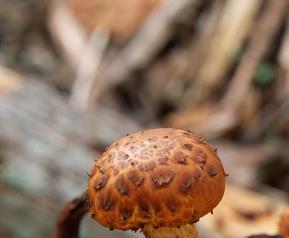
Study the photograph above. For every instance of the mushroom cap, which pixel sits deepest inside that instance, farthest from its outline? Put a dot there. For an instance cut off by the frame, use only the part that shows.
(163, 177)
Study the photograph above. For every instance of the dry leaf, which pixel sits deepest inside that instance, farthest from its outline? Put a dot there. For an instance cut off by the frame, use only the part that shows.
(120, 18)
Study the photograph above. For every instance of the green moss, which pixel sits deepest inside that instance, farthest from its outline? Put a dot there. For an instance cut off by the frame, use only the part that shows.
(265, 74)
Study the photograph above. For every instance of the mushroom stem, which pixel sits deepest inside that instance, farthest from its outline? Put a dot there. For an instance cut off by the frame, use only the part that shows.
(70, 217)
(185, 231)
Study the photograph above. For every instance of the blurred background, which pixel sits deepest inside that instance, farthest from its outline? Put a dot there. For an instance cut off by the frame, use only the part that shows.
(75, 75)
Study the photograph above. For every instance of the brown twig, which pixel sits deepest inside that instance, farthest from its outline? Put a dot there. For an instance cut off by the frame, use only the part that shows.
(70, 217)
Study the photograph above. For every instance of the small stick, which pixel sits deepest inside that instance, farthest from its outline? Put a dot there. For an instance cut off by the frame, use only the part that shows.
(68, 222)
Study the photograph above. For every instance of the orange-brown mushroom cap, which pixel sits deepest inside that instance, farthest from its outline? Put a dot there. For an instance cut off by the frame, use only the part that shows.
(164, 177)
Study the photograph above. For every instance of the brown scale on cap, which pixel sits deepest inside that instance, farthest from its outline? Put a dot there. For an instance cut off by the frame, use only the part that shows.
(122, 186)
(162, 178)
(180, 157)
(100, 181)
(186, 182)
(135, 178)
(212, 171)
(159, 180)
(188, 146)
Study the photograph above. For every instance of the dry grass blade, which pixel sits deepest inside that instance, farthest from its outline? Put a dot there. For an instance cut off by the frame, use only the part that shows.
(87, 70)
(283, 59)
(66, 31)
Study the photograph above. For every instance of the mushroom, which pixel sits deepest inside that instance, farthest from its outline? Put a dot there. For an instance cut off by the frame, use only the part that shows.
(159, 180)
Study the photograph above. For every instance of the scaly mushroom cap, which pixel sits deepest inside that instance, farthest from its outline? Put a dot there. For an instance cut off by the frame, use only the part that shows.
(164, 177)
